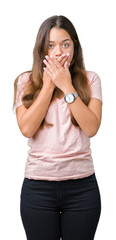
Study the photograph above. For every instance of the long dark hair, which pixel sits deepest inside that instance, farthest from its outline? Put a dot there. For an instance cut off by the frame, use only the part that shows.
(77, 68)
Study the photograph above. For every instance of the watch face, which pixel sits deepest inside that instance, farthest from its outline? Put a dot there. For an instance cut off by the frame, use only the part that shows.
(69, 98)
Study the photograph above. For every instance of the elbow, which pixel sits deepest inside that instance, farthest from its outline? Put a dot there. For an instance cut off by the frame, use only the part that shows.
(27, 130)
(92, 132)
(26, 133)
(93, 129)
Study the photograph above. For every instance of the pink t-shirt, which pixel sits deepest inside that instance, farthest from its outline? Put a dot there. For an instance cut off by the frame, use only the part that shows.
(60, 152)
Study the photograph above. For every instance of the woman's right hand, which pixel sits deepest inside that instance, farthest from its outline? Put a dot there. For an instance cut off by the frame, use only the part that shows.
(47, 82)
(46, 79)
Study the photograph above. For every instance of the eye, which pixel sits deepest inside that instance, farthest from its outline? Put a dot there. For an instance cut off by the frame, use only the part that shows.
(50, 46)
(66, 45)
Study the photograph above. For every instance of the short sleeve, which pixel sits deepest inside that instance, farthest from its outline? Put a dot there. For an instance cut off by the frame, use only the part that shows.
(95, 85)
(22, 85)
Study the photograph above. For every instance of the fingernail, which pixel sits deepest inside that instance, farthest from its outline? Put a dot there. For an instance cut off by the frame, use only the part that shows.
(68, 54)
(63, 54)
(46, 56)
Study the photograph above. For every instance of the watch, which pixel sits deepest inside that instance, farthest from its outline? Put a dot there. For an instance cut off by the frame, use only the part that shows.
(70, 97)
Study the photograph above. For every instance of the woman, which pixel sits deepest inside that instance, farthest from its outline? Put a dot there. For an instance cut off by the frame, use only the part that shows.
(58, 107)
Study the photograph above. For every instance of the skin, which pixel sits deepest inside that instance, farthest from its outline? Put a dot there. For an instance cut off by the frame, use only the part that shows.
(57, 75)
(61, 48)
(60, 43)
(88, 117)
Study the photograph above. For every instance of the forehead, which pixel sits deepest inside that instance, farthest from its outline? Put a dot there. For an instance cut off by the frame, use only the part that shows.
(56, 34)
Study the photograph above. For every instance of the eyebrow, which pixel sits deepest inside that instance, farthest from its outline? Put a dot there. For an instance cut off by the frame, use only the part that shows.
(62, 41)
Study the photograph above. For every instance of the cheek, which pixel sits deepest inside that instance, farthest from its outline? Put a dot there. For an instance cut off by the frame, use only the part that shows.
(71, 55)
(71, 51)
(50, 52)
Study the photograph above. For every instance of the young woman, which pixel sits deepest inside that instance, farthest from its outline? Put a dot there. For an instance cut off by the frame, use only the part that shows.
(58, 107)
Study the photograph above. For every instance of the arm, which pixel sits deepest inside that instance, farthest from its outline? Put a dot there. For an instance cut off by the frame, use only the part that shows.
(88, 117)
(29, 120)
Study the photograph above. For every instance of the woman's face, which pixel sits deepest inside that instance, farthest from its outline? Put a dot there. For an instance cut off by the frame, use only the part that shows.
(60, 42)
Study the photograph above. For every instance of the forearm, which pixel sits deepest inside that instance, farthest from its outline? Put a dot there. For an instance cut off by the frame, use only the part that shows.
(34, 115)
(86, 119)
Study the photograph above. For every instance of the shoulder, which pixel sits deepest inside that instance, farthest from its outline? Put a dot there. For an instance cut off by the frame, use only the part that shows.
(95, 85)
(24, 78)
(93, 78)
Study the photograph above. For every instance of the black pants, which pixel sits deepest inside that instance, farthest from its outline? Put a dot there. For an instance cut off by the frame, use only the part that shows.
(52, 209)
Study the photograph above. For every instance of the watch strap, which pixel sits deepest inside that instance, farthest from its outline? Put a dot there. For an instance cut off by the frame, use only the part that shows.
(75, 94)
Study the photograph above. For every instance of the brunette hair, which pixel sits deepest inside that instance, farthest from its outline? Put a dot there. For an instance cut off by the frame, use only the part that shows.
(77, 68)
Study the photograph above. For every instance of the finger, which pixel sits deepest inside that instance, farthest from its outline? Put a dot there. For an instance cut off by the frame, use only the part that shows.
(67, 58)
(50, 60)
(66, 66)
(60, 59)
(53, 63)
(63, 58)
(49, 66)
(48, 72)
(57, 64)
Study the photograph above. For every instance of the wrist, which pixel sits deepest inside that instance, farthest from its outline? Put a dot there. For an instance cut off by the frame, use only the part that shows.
(69, 89)
(49, 87)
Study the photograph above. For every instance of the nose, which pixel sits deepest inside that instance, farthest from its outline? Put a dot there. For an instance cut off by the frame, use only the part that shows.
(58, 51)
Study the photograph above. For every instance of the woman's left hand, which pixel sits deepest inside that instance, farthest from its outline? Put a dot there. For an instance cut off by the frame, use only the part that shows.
(59, 74)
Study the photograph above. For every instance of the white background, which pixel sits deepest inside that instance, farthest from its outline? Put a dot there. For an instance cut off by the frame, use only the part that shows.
(94, 21)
